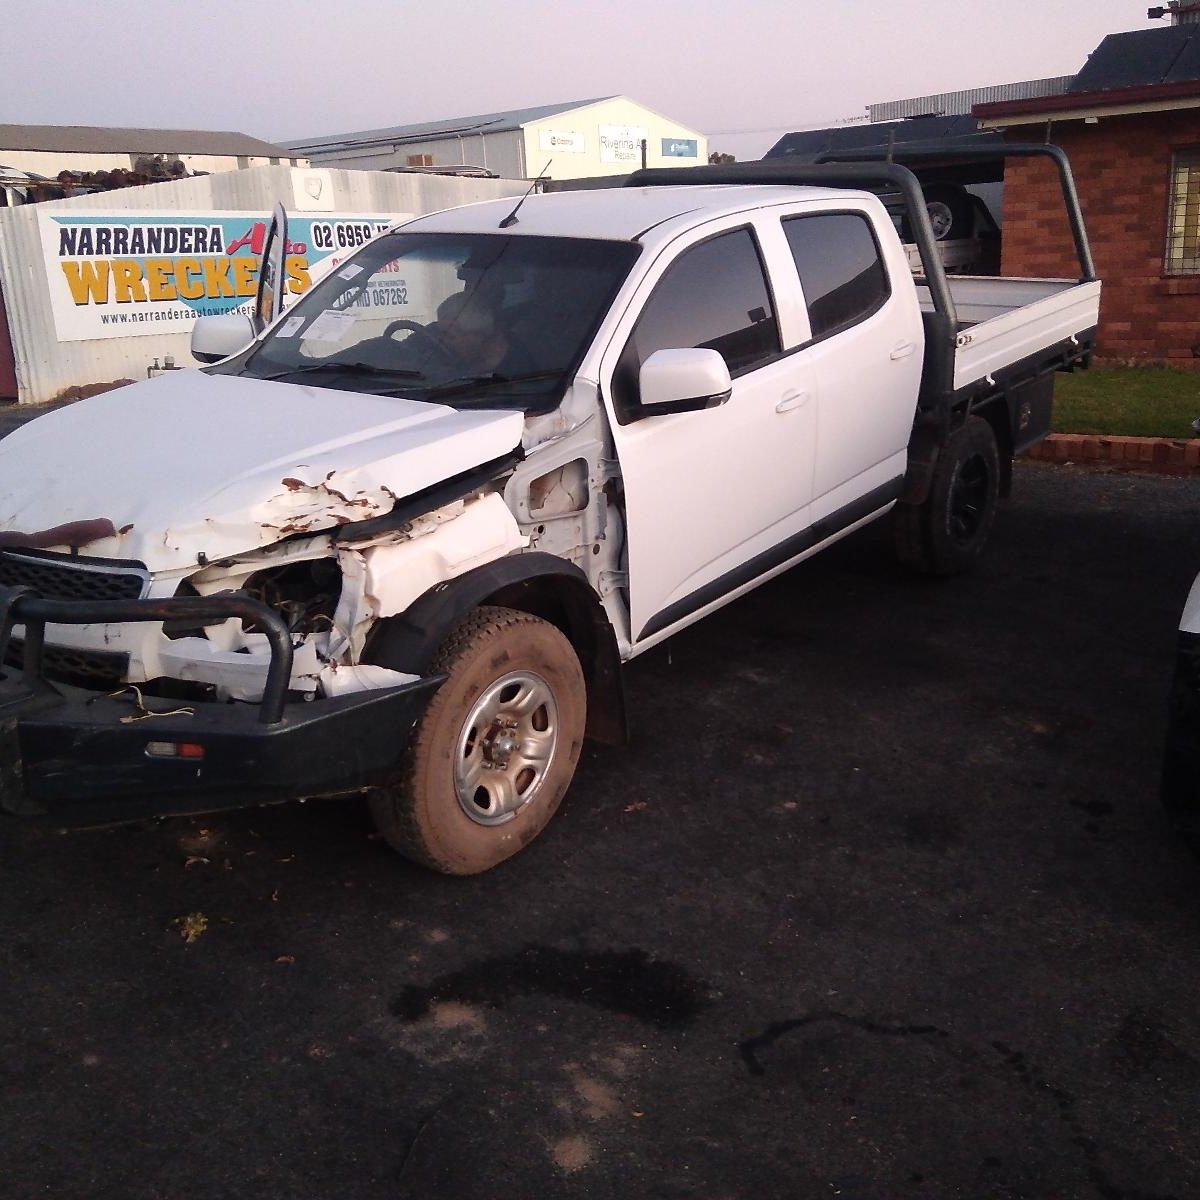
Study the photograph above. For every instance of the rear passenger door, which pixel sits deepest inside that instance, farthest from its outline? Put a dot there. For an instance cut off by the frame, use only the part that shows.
(865, 347)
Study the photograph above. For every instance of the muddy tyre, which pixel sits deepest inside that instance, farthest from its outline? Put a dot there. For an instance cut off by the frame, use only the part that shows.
(492, 756)
(947, 534)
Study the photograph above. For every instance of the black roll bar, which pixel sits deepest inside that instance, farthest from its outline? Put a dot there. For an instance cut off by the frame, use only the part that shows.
(860, 175)
(917, 155)
(20, 606)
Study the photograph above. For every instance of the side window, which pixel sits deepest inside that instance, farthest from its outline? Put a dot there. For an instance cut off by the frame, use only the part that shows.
(843, 278)
(1183, 233)
(715, 297)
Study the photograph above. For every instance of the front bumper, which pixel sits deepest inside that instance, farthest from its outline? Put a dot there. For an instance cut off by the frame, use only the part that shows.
(73, 757)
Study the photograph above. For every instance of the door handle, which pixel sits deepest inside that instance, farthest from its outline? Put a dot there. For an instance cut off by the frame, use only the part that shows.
(792, 400)
(903, 349)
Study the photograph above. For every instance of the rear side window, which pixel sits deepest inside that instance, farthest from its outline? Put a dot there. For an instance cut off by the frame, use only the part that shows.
(843, 277)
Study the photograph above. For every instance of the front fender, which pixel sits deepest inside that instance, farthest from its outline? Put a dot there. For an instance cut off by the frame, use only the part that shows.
(534, 582)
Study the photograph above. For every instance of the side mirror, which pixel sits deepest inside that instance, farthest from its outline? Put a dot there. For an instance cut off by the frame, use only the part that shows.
(675, 381)
(215, 338)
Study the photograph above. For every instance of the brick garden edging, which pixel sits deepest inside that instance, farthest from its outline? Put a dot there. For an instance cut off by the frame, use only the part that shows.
(1165, 456)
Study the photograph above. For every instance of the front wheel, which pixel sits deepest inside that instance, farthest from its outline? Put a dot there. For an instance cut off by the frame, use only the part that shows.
(946, 535)
(496, 749)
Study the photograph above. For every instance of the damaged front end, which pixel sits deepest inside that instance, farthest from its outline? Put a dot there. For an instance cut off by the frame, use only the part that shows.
(76, 757)
(240, 683)
(204, 644)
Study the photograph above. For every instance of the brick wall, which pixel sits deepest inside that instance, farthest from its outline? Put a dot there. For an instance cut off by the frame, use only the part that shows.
(1122, 171)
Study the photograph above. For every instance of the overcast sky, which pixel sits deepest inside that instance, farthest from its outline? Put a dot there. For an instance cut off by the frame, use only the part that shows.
(741, 71)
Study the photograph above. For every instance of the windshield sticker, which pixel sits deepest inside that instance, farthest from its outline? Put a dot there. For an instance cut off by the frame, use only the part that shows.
(331, 326)
(290, 327)
(351, 271)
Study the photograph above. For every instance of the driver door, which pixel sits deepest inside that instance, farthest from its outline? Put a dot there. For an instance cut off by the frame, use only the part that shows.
(712, 496)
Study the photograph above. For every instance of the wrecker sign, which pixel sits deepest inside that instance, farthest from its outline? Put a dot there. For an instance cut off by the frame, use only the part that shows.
(125, 274)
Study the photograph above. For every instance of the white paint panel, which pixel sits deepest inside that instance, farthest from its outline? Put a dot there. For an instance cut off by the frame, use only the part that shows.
(1190, 621)
(226, 464)
(1009, 337)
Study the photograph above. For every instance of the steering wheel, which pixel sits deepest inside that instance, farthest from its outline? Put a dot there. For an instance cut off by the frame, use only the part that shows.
(420, 331)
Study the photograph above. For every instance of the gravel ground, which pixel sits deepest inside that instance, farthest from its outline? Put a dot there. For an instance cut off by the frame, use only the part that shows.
(880, 903)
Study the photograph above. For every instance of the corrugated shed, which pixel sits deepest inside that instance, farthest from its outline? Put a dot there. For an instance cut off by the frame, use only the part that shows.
(496, 122)
(46, 367)
(960, 103)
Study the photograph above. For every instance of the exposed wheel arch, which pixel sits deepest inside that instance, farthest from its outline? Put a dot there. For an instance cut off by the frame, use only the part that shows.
(537, 583)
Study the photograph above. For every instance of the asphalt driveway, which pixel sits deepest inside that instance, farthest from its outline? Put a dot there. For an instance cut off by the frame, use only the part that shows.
(879, 904)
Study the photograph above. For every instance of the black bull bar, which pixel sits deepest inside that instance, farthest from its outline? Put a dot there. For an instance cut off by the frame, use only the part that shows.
(78, 757)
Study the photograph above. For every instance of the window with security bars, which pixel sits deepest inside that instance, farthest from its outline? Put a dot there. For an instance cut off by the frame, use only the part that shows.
(1183, 234)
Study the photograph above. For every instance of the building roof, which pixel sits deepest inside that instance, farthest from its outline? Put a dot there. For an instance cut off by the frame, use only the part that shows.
(807, 145)
(948, 104)
(1130, 72)
(494, 122)
(98, 139)
(1143, 58)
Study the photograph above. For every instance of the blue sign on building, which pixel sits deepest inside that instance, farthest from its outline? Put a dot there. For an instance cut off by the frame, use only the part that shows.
(679, 147)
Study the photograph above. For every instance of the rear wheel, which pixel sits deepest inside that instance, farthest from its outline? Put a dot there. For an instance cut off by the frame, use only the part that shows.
(946, 535)
(493, 754)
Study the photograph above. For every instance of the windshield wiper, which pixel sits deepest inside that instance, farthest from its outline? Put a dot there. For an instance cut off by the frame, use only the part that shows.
(344, 368)
(471, 383)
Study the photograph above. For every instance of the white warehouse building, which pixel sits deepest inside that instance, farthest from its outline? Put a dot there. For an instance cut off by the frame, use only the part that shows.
(580, 139)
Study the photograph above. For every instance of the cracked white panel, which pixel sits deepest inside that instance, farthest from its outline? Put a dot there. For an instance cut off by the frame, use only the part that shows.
(221, 465)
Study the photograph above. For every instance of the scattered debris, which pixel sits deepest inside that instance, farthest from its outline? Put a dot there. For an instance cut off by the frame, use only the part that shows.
(191, 926)
(285, 960)
(636, 806)
(194, 860)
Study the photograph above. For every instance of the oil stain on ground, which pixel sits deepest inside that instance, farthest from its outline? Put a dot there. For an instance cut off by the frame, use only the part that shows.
(625, 981)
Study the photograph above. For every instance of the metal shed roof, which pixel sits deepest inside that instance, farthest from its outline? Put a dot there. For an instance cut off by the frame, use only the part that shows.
(98, 139)
(1143, 58)
(495, 122)
(808, 144)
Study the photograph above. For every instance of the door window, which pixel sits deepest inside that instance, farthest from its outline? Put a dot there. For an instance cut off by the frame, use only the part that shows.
(715, 297)
(843, 278)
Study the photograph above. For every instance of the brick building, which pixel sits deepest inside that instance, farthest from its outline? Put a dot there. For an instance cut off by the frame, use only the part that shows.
(1130, 123)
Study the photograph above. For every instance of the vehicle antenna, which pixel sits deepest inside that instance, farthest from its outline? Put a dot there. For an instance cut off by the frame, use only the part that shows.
(511, 219)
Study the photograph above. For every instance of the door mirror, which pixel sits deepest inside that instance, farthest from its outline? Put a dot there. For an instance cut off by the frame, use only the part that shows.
(675, 381)
(268, 301)
(215, 338)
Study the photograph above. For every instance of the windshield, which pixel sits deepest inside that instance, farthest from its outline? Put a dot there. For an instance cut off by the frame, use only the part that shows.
(467, 319)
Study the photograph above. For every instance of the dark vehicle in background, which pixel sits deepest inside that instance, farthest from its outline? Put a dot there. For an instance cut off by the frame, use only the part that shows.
(962, 199)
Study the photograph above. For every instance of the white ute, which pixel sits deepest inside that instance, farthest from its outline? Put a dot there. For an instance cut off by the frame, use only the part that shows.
(398, 539)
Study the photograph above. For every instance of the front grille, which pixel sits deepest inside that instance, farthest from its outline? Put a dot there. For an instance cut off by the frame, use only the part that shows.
(64, 577)
(95, 669)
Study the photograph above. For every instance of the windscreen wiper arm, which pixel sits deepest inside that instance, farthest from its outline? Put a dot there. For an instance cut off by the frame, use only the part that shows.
(469, 383)
(344, 368)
